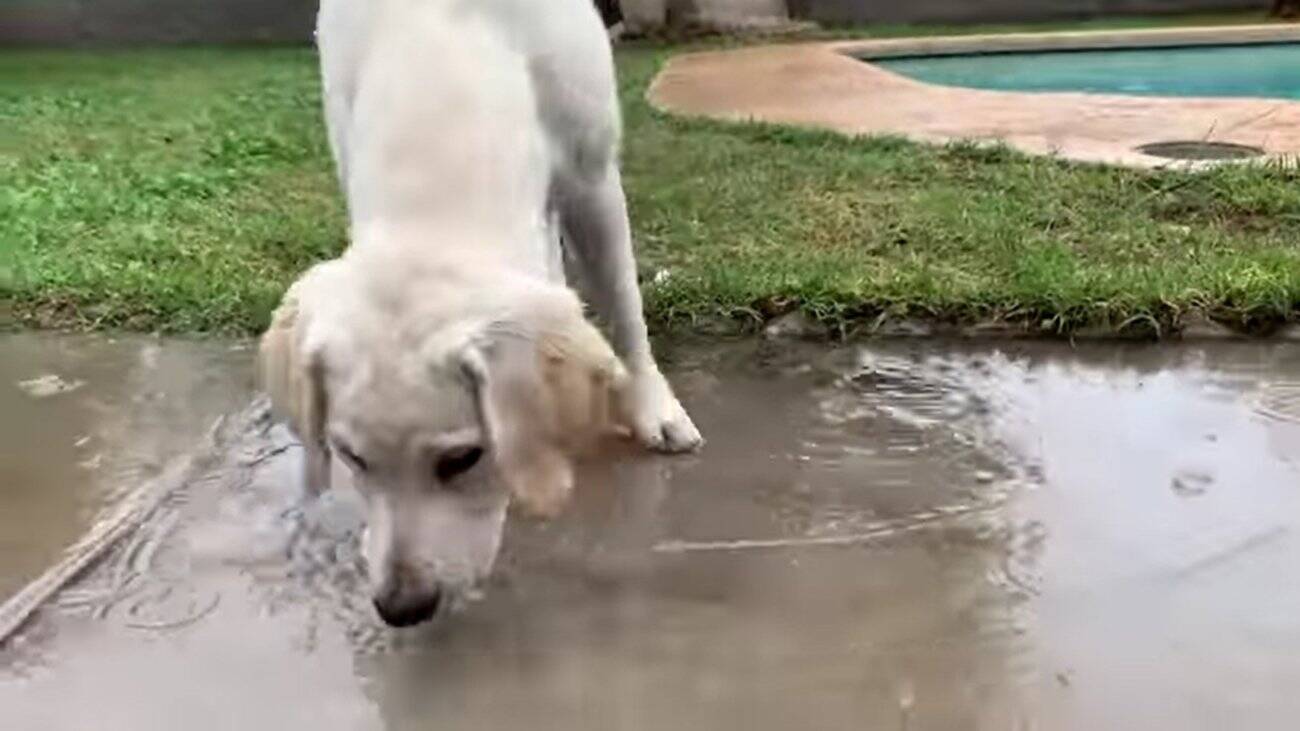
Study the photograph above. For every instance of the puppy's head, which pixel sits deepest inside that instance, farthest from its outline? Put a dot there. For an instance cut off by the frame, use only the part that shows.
(446, 399)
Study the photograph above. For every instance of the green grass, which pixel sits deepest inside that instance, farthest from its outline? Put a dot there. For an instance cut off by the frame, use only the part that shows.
(182, 190)
(176, 190)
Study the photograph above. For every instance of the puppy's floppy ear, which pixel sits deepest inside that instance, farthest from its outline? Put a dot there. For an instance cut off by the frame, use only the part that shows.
(544, 382)
(292, 374)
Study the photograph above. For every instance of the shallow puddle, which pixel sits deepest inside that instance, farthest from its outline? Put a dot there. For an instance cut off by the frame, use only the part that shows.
(84, 419)
(917, 535)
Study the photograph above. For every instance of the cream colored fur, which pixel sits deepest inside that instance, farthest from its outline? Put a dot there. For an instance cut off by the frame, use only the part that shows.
(443, 357)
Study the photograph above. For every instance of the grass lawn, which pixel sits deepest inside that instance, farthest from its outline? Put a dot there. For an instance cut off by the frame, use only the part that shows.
(181, 190)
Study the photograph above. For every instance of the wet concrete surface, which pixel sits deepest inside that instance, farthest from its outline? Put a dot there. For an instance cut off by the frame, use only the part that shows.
(83, 419)
(908, 535)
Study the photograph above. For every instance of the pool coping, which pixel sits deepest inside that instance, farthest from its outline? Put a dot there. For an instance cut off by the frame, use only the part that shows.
(823, 85)
(1071, 41)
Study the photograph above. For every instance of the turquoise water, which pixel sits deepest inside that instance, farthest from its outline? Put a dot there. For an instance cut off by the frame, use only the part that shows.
(1268, 70)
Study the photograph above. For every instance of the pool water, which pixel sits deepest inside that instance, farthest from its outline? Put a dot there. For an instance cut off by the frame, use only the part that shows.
(1258, 70)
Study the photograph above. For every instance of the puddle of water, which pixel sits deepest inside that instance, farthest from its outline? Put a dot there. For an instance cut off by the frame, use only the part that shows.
(910, 536)
(87, 418)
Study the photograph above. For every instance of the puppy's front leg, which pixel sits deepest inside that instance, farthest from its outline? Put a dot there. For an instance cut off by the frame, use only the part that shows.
(593, 214)
(316, 465)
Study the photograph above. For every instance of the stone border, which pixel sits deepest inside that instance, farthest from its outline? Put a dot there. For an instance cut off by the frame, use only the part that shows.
(1187, 327)
(826, 86)
(1072, 41)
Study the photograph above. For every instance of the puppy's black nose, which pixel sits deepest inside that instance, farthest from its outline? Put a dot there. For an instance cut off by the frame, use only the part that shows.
(399, 609)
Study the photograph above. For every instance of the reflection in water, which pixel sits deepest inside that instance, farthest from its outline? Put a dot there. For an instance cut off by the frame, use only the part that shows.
(907, 535)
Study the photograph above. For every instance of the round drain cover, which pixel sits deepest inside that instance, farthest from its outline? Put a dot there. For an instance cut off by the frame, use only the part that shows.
(1200, 150)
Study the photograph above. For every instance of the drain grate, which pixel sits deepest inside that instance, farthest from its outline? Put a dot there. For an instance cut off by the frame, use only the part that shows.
(1200, 150)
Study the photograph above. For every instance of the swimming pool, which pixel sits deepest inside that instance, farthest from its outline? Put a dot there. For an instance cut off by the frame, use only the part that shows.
(1259, 70)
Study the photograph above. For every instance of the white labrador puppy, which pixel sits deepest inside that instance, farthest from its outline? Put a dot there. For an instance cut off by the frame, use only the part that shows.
(442, 357)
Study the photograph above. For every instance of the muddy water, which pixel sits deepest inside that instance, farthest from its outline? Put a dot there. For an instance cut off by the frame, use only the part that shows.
(900, 536)
(82, 419)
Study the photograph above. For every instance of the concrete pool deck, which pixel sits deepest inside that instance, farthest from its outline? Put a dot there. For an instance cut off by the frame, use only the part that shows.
(921, 535)
(828, 86)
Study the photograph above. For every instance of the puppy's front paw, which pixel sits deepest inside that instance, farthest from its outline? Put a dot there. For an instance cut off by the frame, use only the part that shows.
(655, 416)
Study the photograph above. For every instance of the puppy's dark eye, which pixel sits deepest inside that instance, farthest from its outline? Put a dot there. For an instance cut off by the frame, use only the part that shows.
(351, 458)
(457, 462)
